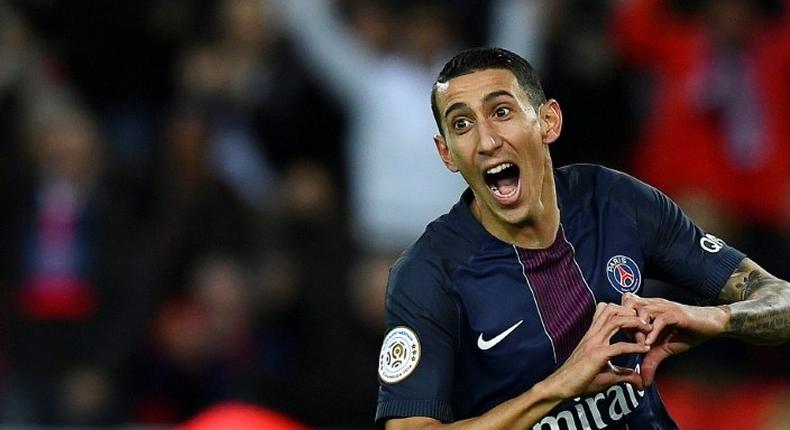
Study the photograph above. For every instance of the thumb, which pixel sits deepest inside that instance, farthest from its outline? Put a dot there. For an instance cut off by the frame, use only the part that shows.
(650, 363)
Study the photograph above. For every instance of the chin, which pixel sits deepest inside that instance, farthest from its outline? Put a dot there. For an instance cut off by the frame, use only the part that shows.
(515, 216)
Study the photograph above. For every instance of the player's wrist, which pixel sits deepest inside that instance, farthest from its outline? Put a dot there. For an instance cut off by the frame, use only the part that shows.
(552, 389)
(722, 318)
(706, 321)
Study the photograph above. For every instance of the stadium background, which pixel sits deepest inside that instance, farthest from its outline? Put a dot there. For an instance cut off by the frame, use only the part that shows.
(185, 189)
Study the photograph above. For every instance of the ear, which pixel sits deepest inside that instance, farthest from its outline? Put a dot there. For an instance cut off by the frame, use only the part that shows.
(550, 121)
(444, 153)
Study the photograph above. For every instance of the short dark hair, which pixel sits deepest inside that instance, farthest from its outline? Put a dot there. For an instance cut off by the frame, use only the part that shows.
(477, 59)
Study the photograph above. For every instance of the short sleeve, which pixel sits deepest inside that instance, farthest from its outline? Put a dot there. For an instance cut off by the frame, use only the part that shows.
(678, 251)
(422, 320)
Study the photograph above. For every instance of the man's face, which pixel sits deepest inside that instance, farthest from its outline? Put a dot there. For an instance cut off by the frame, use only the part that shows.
(497, 140)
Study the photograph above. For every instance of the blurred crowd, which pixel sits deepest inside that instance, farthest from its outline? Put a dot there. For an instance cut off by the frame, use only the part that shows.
(201, 199)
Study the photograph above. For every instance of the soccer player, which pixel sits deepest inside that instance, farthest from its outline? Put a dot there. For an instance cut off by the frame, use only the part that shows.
(519, 308)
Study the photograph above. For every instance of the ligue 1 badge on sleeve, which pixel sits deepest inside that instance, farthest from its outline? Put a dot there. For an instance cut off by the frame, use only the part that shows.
(399, 355)
(623, 274)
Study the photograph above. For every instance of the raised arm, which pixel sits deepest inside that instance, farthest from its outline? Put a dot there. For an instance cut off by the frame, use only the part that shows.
(756, 310)
(758, 305)
(587, 370)
(519, 25)
(341, 58)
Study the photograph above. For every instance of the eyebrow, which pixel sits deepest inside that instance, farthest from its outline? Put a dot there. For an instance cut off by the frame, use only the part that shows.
(496, 94)
(486, 99)
(452, 107)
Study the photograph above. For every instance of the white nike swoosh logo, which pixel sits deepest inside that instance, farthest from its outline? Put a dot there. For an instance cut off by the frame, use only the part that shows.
(488, 344)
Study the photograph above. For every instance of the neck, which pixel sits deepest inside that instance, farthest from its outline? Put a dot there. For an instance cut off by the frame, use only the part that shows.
(540, 234)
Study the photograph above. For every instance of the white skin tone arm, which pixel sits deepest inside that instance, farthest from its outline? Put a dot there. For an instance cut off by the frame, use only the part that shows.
(586, 371)
(340, 57)
(519, 26)
(756, 310)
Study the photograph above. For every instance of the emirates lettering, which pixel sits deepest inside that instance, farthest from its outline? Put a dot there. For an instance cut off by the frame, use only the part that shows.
(594, 412)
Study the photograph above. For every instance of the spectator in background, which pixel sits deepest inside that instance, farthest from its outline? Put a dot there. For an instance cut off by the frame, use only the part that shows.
(201, 350)
(194, 212)
(250, 170)
(309, 341)
(22, 76)
(582, 71)
(118, 60)
(70, 298)
(386, 137)
(716, 136)
(247, 81)
(227, 78)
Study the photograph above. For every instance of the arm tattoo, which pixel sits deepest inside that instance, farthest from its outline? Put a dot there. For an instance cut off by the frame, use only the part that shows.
(749, 284)
(759, 305)
(742, 283)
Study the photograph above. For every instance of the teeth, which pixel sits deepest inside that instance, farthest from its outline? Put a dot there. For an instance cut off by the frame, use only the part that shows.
(499, 168)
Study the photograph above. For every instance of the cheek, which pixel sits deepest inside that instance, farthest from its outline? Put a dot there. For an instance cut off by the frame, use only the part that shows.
(462, 155)
(536, 167)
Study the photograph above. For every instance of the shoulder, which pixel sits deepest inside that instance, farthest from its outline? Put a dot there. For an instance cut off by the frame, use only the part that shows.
(430, 258)
(592, 184)
(590, 177)
(426, 267)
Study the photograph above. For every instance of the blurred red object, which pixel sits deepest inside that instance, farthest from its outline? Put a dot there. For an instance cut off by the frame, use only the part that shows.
(703, 405)
(240, 416)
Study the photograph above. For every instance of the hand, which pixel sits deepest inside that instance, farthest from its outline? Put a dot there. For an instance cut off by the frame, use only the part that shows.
(588, 369)
(676, 328)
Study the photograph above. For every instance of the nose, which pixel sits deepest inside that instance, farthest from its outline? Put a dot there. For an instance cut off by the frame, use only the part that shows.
(489, 140)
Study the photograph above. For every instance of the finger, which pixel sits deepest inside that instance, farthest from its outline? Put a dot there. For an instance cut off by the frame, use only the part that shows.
(629, 302)
(619, 323)
(639, 304)
(611, 318)
(608, 378)
(622, 348)
(609, 309)
(600, 308)
(633, 301)
(603, 312)
(643, 315)
(648, 374)
(634, 379)
(650, 364)
(630, 322)
(597, 321)
(618, 369)
(659, 324)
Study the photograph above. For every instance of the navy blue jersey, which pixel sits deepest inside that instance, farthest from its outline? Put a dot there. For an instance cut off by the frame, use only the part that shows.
(473, 321)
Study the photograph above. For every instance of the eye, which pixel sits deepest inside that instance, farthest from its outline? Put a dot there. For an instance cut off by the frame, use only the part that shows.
(502, 111)
(461, 123)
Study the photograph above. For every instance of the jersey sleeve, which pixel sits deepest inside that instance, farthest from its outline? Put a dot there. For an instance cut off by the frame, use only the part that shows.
(421, 318)
(677, 251)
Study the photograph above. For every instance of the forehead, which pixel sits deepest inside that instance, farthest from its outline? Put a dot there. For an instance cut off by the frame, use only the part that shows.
(472, 88)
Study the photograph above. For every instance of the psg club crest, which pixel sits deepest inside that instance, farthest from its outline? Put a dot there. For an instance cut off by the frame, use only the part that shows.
(623, 274)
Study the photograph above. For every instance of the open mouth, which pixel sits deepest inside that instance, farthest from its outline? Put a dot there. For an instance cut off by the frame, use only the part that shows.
(503, 181)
